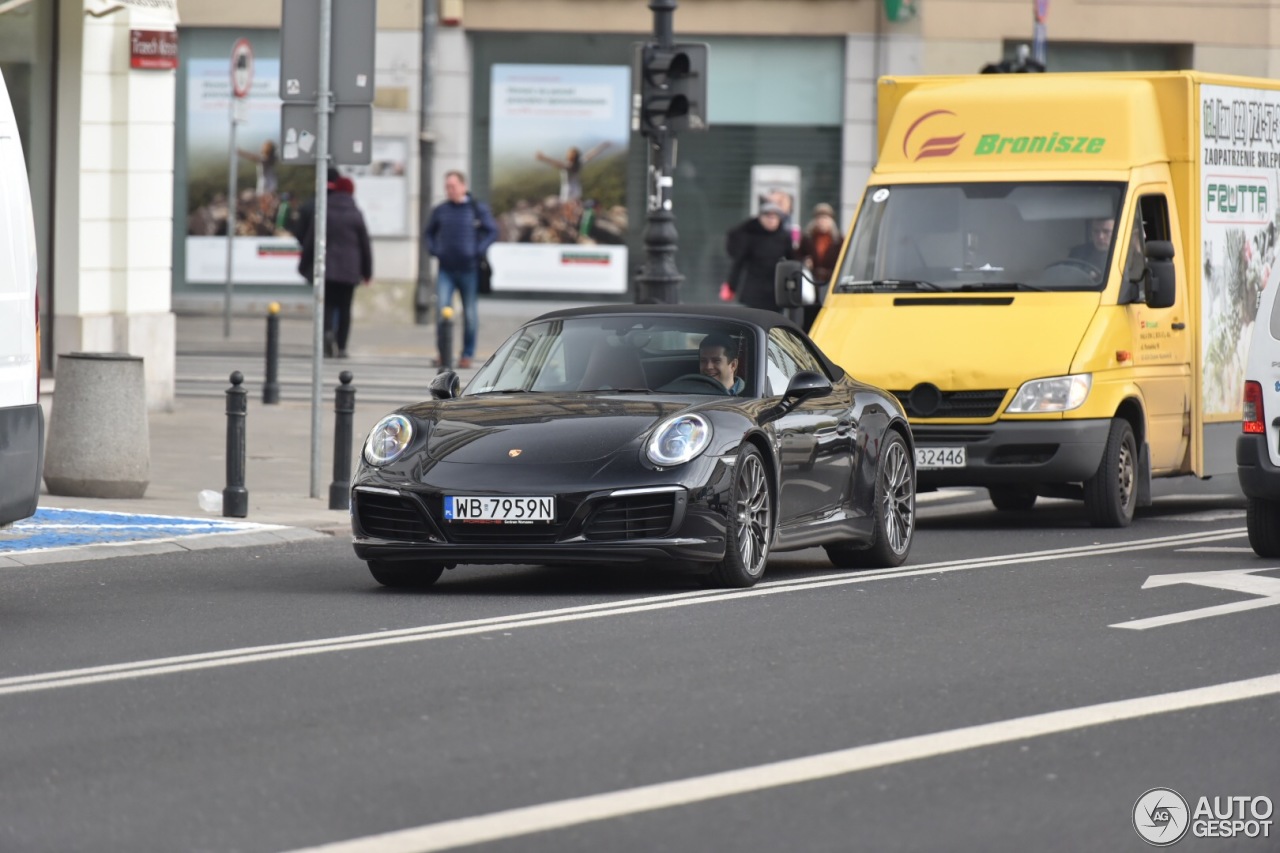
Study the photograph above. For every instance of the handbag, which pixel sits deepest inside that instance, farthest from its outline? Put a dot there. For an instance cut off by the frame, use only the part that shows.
(484, 276)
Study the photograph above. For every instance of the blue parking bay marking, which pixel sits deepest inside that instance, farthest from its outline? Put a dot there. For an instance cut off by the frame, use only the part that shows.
(65, 528)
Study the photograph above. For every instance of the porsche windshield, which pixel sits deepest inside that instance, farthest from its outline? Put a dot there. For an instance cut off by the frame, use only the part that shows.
(983, 236)
(621, 354)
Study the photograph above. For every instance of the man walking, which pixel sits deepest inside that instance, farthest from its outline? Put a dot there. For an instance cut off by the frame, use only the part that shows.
(458, 234)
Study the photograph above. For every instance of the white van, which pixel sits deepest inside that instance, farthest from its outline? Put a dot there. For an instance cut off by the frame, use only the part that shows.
(1258, 449)
(21, 418)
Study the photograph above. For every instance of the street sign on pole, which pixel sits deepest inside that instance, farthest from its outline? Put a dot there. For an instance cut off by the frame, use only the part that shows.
(241, 81)
(350, 134)
(241, 68)
(351, 74)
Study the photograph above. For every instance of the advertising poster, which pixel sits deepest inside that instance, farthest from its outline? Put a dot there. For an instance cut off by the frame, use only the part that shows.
(264, 249)
(1240, 162)
(382, 188)
(558, 154)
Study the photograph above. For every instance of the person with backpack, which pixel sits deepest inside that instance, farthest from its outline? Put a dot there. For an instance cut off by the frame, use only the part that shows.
(458, 235)
(348, 260)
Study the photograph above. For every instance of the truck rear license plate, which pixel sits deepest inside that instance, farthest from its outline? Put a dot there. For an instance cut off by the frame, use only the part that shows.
(505, 510)
(940, 457)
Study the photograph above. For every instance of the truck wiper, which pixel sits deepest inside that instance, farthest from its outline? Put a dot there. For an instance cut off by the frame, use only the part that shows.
(1002, 285)
(886, 284)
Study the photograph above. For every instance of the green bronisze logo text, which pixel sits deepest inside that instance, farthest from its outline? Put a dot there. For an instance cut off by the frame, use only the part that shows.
(994, 143)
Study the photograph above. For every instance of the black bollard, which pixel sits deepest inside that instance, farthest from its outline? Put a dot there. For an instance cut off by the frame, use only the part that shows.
(271, 388)
(235, 497)
(344, 405)
(444, 339)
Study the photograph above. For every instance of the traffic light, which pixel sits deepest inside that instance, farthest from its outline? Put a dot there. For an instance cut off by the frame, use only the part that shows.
(670, 88)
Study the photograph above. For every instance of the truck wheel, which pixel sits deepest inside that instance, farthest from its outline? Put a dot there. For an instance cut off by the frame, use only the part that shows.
(1111, 494)
(1012, 498)
(1263, 520)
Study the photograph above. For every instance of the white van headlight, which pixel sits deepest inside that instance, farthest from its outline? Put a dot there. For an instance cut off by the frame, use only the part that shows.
(388, 439)
(1055, 394)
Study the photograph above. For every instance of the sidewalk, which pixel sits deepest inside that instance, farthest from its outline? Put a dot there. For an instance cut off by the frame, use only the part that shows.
(188, 444)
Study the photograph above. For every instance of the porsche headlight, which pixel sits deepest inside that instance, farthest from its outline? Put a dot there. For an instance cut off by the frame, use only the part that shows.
(388, 439)
(678, 440)
(1056, 394)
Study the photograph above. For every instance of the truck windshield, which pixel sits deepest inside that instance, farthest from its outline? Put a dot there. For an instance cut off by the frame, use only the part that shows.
(983, 236)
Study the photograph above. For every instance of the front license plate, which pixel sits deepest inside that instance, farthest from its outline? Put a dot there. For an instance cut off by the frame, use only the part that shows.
(940, 457)
(504, 510)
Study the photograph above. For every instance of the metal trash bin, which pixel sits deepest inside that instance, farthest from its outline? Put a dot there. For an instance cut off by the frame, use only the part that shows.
(99, 444)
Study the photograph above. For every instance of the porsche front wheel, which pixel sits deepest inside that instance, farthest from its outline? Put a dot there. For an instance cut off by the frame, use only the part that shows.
(406, 575)
(750, 528)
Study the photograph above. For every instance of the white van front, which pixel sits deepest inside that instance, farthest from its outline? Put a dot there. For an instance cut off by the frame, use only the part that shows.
(21, 418)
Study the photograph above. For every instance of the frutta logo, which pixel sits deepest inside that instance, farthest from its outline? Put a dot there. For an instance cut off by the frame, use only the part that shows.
(932, 138)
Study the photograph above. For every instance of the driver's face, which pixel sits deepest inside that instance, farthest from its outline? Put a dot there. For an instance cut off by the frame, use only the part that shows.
(712, 362)
(1100, 231)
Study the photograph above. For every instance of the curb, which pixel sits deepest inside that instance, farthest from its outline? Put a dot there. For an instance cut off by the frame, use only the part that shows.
(266, 535)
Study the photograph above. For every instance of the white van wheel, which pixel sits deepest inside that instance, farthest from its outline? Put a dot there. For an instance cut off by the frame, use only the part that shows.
(1262, 517)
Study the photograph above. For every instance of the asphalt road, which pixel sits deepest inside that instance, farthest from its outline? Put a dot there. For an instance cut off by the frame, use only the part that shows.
(980, 699)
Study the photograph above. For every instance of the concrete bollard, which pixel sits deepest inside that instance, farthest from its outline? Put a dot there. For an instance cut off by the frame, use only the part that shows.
(344, 407)
(99, 443)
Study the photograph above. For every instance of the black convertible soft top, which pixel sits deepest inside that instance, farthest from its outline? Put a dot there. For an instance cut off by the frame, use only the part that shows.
(750, 316)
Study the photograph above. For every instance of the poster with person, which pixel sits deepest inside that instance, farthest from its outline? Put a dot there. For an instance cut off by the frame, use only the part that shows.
(268, 194)
(558, 176)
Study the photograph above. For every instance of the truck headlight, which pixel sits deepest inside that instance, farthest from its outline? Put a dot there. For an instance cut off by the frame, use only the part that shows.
(1055, 394)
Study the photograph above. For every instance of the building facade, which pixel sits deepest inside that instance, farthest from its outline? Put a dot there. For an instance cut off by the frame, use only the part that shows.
(130, 154)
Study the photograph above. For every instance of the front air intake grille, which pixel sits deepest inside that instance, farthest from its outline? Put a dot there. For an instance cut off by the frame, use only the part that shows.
(957, 404)
(391, 517)
(632, 517)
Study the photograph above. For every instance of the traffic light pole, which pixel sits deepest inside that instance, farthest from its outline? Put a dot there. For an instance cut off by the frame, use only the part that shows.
(659, 280)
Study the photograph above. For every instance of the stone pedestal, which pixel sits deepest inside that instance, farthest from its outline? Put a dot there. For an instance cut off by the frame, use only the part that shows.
(99, 444)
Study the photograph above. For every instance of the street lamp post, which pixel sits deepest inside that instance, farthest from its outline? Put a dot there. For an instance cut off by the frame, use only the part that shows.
(659, 280)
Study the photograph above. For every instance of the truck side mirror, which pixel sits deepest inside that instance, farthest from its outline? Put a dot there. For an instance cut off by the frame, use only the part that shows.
(1164, 278)
(787, 288)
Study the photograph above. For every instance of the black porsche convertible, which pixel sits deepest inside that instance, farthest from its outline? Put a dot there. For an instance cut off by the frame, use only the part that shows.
(708, 436)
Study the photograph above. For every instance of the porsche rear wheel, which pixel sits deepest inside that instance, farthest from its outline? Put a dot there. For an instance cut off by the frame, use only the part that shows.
(406, 575)
(895, 513)
(750, 528)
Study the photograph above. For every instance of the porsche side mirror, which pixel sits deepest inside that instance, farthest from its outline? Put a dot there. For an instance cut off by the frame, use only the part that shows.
(787, 288)
(805, 384)
(445, 386)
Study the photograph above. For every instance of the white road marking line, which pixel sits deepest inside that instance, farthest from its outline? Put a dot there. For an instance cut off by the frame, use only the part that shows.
(513, 823)
(1207, 515)
(1219, 549)
(256, 654)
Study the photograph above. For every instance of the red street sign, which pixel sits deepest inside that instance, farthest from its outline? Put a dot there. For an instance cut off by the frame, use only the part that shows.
(241, 67)
(153, 49)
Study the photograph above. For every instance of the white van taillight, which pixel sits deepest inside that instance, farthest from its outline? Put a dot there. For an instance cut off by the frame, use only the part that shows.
(1253, 414)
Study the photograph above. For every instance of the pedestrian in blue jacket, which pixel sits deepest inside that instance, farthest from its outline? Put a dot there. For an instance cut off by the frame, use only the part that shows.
(458, 234)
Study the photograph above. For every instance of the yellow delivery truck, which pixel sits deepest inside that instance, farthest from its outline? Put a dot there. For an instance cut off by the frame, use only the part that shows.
(1058, 275)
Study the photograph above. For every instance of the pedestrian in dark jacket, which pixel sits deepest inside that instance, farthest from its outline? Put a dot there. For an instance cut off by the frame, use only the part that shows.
(458, 234)
(348, 261)
(756, 246)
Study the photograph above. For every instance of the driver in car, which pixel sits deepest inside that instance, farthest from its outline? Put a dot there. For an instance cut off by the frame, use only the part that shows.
(1094, 251)
(718, 359)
